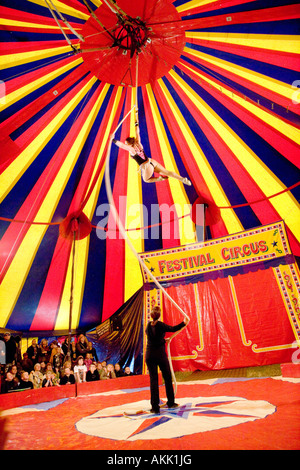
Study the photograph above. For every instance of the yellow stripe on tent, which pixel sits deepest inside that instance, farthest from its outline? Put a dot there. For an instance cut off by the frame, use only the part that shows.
(97, 3)
(82, 246)
(276, 86)
(193, 4)
(274, 42)
(80, 267)
(271, 119)
(24, 25)
(134, 218)
(12, 60)
(285, 204)
(229, 217)
(15, 277)
(25, 90)
(63, 8)
(17, 168)
(181, 202)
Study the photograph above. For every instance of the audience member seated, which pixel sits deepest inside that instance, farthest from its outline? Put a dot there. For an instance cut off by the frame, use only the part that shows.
(50, 379)
(67, 377)
(92, 374)
(46, 365)
(111, 371)
(127, 371)
(88, 360)
(25, 383)
(14, 371)
(10, 384)
(118, 370)
(80, 370)
(36, 376)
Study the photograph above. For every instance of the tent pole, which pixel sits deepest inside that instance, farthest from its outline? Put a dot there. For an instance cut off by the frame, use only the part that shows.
(71, 292)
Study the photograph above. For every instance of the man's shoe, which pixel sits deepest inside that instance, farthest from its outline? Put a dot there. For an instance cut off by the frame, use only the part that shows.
(155, 411)
(175, 405)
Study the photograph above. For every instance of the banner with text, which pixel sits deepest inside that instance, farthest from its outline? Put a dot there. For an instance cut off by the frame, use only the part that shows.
(241, 249)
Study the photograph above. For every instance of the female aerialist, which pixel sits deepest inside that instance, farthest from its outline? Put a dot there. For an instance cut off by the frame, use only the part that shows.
(156, 357)
(147, 165)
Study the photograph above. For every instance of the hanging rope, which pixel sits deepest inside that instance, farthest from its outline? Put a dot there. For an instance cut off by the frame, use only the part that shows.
(124, 235)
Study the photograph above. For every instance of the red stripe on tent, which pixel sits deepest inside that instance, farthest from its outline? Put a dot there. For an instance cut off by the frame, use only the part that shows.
(23, 28)
(260, 90)
(18, 48)
(282, 13)
(46, 312)
(9, 151)
(218, 5)
(274, 137)
(15, 233)
(76, 5)
(287, 60)
(24, 140)
(217, 229)
(20, 81)
(248, 186)
(264, 209)
(115, 246)
(24, 17)
(22, 116)
(170, 237)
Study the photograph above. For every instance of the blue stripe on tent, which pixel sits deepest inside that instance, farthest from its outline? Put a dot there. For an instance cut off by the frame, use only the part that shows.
(35, 95)
(26, 36)
(257, 5)
(269, 70)
(17, 195)
(289, 27)
(36, 9)
(19, 70)
(279, 165)
(92, 302)
(233, 193)
(152, 236)
(70, 188)
(268, 104)
(190, 190)
(28, 301)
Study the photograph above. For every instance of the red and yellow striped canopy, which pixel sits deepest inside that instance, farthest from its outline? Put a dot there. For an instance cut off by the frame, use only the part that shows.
(219, 101)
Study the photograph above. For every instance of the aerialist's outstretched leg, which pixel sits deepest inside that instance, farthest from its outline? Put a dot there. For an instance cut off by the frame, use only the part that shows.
(163, 172)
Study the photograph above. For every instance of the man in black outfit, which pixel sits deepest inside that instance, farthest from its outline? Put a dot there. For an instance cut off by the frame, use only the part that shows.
(156, 357)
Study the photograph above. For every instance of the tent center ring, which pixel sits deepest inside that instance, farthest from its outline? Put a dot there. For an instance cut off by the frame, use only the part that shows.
(132, 35)
(153, 30)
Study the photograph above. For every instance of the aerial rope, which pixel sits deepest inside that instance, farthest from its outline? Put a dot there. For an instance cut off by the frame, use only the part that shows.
(54, 11)
(124, 235)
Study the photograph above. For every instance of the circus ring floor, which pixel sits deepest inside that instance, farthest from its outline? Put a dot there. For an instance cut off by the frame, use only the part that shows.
(224, 413)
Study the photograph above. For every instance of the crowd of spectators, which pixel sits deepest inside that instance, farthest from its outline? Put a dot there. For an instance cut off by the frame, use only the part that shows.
(50, 365)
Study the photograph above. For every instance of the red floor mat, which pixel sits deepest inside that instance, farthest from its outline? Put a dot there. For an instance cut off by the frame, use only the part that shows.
(243, 414)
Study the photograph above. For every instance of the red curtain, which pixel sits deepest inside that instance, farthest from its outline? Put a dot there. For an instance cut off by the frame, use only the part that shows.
(237, 321)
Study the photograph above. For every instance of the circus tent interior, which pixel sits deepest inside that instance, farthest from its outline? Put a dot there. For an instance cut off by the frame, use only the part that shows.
(215, 88)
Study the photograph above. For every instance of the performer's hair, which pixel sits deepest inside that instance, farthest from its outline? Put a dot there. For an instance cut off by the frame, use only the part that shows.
(155, 313)
(130, 140)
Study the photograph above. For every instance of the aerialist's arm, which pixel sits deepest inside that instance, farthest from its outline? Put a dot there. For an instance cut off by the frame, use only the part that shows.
(121, 145)
(137, 133)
